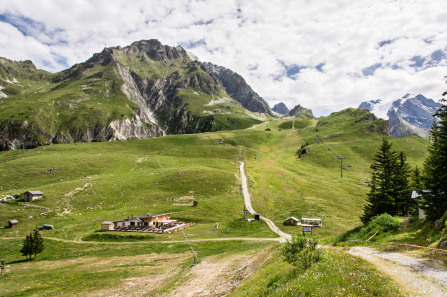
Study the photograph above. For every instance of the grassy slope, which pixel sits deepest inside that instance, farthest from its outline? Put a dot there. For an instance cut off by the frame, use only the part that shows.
(337, 274)
(283, 186)
(85, 184)
(80, 102)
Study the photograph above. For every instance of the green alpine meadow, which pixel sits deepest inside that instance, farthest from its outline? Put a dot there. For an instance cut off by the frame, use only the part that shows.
(146, 172)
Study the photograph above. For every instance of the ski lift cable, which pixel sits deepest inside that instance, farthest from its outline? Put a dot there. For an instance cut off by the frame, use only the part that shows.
(336, 155)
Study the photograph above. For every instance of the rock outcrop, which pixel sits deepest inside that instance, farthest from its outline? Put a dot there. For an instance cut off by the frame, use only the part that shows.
(298, 110)
(280, 108)
(236, 86)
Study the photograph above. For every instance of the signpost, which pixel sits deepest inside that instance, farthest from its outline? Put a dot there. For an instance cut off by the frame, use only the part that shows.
(307, 229)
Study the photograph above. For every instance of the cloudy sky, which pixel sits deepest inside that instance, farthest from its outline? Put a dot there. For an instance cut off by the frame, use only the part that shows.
(325, 55)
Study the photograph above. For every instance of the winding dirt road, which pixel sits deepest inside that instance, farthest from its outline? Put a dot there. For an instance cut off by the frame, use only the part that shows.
(284, 236)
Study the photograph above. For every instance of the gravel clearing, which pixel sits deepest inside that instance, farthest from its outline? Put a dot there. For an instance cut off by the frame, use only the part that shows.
(414, 276)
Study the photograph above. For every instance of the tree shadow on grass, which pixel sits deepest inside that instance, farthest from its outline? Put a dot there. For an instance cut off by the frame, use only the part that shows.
(19, 261)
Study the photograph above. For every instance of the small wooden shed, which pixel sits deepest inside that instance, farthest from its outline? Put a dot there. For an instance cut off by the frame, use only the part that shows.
(32, 195)
(13, 223)
(292, 221)
(107, 226)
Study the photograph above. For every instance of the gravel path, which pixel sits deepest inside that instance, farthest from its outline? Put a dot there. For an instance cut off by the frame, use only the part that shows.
(414, 276)
(247, 201)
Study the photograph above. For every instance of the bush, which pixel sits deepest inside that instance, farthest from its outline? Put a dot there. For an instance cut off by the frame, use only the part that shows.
(107, 237)
(383, 223)
(286, 125)
(301, 251)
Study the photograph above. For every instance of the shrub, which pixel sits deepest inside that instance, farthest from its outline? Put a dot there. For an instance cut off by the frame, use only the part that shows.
(383, 224)
(301, 251)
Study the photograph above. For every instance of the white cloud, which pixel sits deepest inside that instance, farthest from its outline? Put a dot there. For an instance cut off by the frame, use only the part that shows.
(255, 38)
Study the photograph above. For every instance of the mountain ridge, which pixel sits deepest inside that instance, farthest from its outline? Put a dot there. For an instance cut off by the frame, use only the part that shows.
(143, 90)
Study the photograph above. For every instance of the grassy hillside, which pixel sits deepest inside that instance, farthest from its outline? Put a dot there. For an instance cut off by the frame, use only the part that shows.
(87, 183)
(283, 185)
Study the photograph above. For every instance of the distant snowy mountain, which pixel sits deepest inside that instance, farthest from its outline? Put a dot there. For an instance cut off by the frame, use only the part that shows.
(411, 114)
(377, 107)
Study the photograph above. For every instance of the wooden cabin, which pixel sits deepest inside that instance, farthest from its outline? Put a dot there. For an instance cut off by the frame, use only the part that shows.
(147, 221)
(32, 195)
(292, 221)
(107, 226)
(13, 223)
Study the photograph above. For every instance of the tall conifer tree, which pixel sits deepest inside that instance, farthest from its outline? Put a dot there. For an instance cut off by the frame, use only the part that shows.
(435, 167)
(382, 195)
(404, 203)
(27, 246)
(38, 245)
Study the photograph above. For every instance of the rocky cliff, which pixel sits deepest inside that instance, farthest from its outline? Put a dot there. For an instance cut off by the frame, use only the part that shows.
(236, 86)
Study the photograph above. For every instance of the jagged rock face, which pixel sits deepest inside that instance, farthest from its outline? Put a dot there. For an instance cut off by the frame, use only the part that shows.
(299, 110)
(155, 50)
(280, 108)
(401, 128)
(238, 89)
(417, 110)
(407, 116)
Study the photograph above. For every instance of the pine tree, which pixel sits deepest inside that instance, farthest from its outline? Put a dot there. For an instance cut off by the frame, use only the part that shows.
(381, 198)
(416, 184)
(27, 246)
(435, 167)
(404, 203)
(38, 245)
(416, 180)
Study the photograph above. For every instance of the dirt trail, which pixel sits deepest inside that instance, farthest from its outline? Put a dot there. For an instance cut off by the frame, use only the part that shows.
(63, 205)
(247, 201)
(217, 276)
(258, 125)
(414, 276)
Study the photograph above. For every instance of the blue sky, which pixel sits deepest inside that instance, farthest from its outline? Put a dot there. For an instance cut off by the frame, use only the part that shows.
(325, 55)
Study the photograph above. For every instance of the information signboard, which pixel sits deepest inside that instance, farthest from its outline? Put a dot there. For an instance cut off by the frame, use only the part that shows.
(307, 229)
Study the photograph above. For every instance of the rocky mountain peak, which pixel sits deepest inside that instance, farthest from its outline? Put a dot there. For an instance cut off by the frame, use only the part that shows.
(280, 108)
(236, 86)
(411, 114)
(299, 110)
(155, 50)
